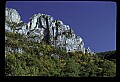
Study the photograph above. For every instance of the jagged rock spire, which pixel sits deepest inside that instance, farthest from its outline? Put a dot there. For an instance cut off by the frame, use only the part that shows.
(43, 27)
(12, 15)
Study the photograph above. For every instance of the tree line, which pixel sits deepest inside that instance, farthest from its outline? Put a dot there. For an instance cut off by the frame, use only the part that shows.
(41, 59)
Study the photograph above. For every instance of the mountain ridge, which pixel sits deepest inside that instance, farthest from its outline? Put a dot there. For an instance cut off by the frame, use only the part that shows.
(43, 27)
(26, 56)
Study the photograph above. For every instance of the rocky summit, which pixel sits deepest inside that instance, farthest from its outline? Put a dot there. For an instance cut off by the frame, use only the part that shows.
(42, 27)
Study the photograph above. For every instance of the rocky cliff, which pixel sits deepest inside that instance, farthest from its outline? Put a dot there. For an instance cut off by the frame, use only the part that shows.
(43, 27)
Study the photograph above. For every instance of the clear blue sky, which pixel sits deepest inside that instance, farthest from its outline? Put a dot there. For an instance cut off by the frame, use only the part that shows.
(95, 22)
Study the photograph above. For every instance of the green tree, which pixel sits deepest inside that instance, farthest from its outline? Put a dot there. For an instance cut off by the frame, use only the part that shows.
(71, 68)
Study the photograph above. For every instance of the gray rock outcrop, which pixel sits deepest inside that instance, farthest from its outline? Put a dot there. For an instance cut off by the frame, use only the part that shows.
(43, 27)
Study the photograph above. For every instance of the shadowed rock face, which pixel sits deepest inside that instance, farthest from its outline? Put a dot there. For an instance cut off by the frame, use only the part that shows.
(43, 27)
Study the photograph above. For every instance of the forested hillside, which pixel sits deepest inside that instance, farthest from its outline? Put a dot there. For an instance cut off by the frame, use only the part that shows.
(44, 60)
(47, 47)
(109, 55)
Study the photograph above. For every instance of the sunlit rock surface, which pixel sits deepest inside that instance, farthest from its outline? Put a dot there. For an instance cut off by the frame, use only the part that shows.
(12, 15)
(43, 27)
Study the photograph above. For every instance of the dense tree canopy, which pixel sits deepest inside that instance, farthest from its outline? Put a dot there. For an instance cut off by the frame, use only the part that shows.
(41, 59)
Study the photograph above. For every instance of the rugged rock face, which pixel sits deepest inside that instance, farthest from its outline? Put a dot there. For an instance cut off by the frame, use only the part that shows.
(12, 15)
(43, 27)
(13, 22)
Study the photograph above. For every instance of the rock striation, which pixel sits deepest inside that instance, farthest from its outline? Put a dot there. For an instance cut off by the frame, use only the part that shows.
(43, 27)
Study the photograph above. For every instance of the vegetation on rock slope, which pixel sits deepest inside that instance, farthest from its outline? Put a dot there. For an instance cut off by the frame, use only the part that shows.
(41, 59)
